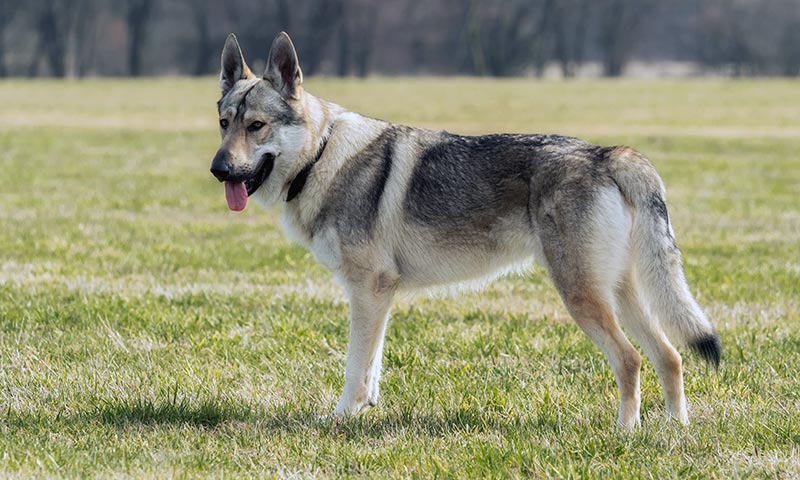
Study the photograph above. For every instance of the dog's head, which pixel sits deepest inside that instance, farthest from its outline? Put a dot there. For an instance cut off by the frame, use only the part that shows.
(262, 123)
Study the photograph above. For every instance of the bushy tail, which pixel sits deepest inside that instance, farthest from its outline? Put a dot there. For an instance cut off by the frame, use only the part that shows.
(657, 258)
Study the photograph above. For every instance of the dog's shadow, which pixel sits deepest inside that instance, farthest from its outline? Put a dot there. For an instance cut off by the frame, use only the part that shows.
(197, 413)
(284, 419)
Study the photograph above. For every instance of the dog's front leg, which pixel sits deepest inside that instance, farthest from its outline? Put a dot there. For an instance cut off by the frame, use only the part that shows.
(369, 311)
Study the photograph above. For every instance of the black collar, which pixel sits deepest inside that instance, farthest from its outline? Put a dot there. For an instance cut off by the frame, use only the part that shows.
(299, 181)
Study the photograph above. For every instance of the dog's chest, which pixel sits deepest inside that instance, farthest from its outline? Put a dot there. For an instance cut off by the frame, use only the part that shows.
(326, 249)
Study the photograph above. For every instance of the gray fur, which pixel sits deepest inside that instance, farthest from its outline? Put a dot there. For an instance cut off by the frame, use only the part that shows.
(351, 205)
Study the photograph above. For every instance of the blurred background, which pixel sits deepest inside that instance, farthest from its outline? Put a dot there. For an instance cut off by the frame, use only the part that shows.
(543, 38)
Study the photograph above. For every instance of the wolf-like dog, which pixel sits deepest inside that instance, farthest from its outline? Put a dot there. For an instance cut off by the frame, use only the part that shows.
(391, 208)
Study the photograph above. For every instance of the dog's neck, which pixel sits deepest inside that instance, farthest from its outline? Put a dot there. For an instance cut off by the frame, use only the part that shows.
(320, 115)
(335, 136)
(299, 181)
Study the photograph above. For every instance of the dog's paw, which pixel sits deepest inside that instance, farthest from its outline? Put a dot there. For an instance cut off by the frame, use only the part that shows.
(373, 394)
(680, 416)
(678, 411)
(353, 398)
(348, 406)
(372, 398)
(329, 418)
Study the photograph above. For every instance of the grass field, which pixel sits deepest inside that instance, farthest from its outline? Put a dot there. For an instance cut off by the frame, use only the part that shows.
(146, 331)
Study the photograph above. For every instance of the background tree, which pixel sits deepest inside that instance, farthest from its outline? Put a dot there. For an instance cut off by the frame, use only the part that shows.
(8, 10)
(203, 47)
(85, 35)
(52, 25)
(137, 16)
(322, 19)
(442, 37)
(619, 22)
(569, 23)
(790, 49)
(355, 37)
(504, 37)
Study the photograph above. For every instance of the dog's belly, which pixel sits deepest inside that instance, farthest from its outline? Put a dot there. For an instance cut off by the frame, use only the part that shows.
(428, 260)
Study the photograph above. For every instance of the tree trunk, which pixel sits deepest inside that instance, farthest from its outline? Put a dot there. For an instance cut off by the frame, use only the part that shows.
(474, 39)
(569, 34)
(610, 37)
(85, 28)
(364, 48)
(579, 45)
(3, 70)
(33, 66)
(284, 16)
(619, 24)
(137, 17)
(204, 48)
(321, 26)
(7, 11)
(790, 49)
(343, 68)
(537, 38)
(52, 38)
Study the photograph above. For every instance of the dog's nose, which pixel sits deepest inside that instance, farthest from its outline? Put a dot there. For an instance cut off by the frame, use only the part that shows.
(221, 165)
(220, 171)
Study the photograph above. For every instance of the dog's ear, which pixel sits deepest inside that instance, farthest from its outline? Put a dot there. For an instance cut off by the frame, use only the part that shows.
(233, 66)
(283, 68)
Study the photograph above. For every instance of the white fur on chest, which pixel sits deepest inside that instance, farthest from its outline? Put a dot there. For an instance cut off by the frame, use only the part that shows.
(327, 250)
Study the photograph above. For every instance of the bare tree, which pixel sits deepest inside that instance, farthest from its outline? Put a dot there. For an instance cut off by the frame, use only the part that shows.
(284, 16)
(479, 37)
(8, 9)
(569, 25)
(137, 16)
(473, 38)
(52, 25)
(366, 23)
(502, 37)
(84, 30)
(619, 22)
(790, 49)
(322, 20)
(539, 37)
(202, 47)
(344, 55)
(63, 27)
(357, 24)
(723, 39)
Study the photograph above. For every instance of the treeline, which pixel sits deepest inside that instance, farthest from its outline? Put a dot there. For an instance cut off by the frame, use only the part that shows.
(361, 37)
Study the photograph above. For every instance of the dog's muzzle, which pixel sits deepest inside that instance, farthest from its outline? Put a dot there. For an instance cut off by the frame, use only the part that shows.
(223, 170)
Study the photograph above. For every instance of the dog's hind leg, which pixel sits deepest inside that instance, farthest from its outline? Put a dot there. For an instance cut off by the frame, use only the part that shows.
(369, 313)
(594, 314)
(591, 306)
(585, 245)
(647, 333)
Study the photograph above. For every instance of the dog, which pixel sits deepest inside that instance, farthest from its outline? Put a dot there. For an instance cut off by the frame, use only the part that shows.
(390, 208)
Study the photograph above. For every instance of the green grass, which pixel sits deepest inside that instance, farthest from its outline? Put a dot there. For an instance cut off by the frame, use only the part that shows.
(145, 331)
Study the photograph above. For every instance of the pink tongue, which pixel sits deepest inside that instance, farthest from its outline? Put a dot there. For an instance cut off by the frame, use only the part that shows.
(236, 195)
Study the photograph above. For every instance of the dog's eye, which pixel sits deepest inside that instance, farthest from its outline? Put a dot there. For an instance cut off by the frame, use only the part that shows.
(223, 123)
(255, 126)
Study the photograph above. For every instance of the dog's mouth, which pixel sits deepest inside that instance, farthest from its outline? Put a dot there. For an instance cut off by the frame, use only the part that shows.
(252, 183)
(236, 193)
